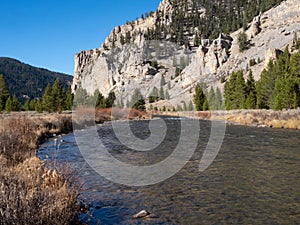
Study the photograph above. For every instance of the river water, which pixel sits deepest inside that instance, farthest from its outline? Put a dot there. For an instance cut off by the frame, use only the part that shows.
(254, 179)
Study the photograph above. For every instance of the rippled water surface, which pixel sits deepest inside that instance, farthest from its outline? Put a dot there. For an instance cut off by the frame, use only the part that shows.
(253, 180)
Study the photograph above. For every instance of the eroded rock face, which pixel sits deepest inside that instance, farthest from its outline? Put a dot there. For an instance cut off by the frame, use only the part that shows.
(207, 60)
(271, 54)
(127, 67)
(255, 28)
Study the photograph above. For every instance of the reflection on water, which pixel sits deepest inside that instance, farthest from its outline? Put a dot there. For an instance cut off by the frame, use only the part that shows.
(253, 180)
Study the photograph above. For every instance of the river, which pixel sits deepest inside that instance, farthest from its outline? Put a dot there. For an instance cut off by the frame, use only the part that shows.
(253, 180)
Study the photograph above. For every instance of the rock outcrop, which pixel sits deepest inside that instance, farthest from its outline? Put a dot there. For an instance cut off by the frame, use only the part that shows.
(122, 67)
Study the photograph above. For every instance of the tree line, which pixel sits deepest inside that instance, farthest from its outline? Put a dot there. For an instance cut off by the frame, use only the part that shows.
(207, 100)
(278, 87)
(54, 99)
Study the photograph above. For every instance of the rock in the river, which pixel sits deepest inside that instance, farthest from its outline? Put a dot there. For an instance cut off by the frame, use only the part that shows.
(141, 214)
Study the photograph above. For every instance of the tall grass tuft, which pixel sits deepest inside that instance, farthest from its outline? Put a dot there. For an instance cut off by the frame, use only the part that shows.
(30, 191)
(18, 138)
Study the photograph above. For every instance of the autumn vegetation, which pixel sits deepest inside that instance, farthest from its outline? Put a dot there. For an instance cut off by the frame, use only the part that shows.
(31, 192)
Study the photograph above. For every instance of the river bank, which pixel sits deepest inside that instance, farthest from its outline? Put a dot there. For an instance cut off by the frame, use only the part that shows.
(31, 190)
(288, 119)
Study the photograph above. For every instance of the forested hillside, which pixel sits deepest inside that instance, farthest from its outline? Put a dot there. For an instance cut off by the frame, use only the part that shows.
(26, 81)
(193, 20)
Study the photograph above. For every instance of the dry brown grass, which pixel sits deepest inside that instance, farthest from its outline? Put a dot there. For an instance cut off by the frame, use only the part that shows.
(30, 192)
(204, 115)
(18, 138)
(89, 116)
(289, 119)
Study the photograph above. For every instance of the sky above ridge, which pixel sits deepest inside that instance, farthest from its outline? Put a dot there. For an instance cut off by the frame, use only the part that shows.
(48, 33)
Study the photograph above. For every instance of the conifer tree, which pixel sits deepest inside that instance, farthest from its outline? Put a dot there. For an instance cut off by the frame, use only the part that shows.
(161, 93)
(137, 100)
(212, 98)
(8, 104)
(4, 93)
(32, 104)
(250, 102)
(13, 104)
(167, 95)
(69, 99)
(235, 91)
(162, 81)
(16, 104)
(58, 95)
(190, 106)
(38, 106)
(47, 100)
(80, 97)
(219, 101)
(153, 97)
(27, 105)
(100, 100)
(243, 41)
(199, 98)
(110, 100)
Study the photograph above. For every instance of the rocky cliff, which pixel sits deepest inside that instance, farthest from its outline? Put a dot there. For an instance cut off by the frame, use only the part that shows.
(128, 60)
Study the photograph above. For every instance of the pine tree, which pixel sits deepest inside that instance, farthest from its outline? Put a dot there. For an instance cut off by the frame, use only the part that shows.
(184, 106)
(32, 104)
(127, 37)
(122, 39)
(100, 100)
(243, 41)
(8, 104)
(58, 95)
(69, 99)
(219, 100)
(4, 93)
(38, 106)
(47, 99)
(110, 100)
(199, 98)
(162, 81)
(190, 106)
(286, 93)
(80, 97)
(167, 95)
(153, 97)
(206, 105)
(161, 93)
(250, 102)
(235, 91)
(212, 99)
(16, 104)
(13, 104)
(27, 105)
(137, 100)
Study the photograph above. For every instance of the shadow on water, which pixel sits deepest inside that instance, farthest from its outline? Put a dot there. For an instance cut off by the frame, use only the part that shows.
(253, 180)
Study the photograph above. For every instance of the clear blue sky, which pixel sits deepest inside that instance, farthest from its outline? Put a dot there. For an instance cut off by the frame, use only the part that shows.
(48, 33)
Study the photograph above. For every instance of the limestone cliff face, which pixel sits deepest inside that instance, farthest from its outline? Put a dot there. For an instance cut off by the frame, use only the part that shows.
(121, 67)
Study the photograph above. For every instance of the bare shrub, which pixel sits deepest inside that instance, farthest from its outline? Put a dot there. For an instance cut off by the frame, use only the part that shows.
(30, 193)
(204, 114)
(18, 138)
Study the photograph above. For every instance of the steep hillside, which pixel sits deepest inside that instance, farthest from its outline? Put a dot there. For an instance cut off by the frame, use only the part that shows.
(26, 81)
(185, 51)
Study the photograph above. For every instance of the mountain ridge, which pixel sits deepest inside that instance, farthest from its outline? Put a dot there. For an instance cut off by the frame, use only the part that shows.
(27, 81)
